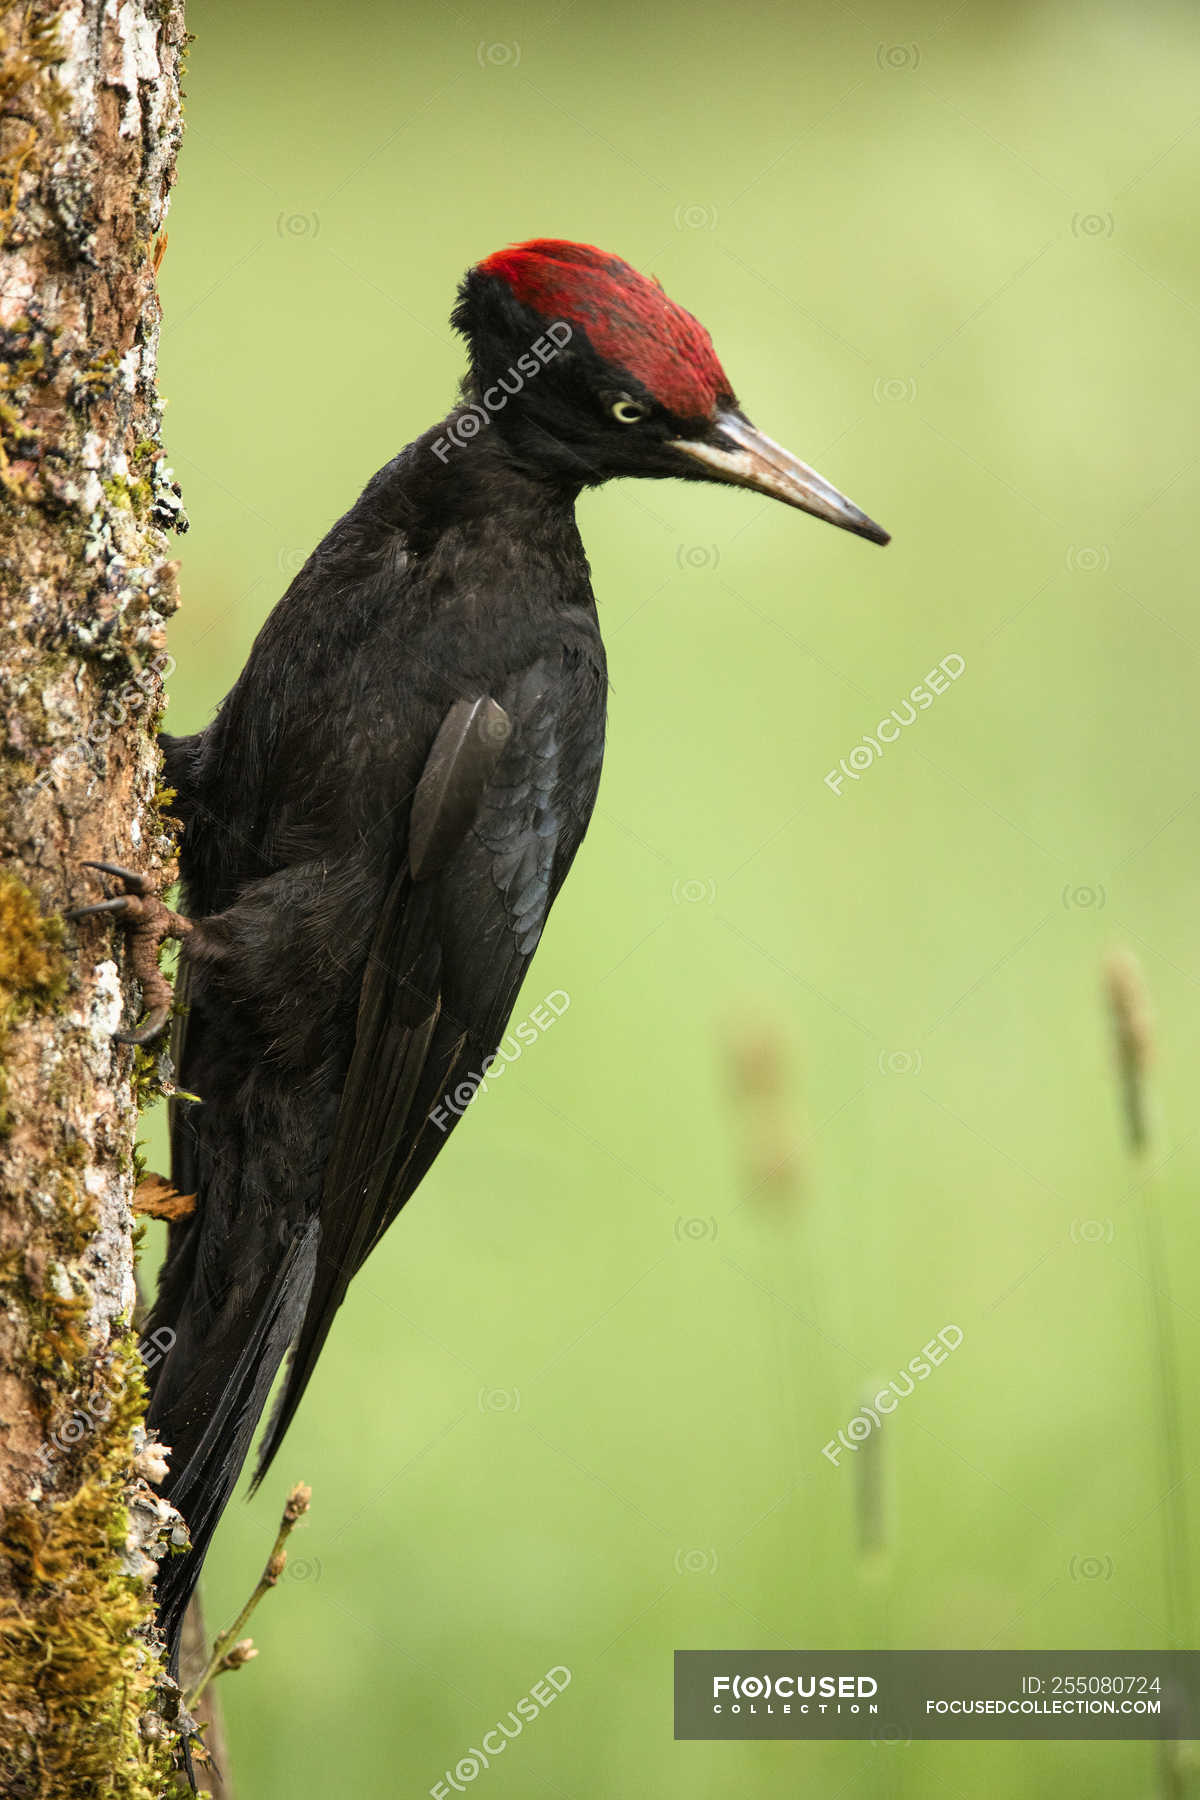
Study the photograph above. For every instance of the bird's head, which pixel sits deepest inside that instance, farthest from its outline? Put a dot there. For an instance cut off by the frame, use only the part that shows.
(589, 371)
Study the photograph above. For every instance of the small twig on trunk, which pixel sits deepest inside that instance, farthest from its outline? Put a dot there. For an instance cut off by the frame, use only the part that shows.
(230, 1650)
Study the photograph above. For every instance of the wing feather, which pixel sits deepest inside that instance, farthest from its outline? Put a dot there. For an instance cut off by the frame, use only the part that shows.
(445, 967)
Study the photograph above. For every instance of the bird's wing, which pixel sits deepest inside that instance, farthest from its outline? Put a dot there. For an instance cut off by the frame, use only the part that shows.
(497, 818)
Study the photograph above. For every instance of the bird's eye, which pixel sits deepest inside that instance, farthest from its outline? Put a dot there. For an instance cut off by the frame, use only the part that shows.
(627, 411)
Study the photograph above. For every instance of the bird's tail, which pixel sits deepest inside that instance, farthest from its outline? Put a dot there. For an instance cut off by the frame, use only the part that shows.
(209, 1391)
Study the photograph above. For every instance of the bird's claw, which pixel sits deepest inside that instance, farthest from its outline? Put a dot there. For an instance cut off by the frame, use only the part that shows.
(147, 922)
(118, 904)
(155, 1024)
(134, 883)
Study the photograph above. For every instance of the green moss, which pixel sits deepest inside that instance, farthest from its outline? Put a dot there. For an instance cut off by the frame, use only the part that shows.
(146, 1083)
(23, 358)
(58, 1321)
(73, 1625)
(72, 1640)
(101, 374)
(28, 51)
(134, 496)
(33, 969)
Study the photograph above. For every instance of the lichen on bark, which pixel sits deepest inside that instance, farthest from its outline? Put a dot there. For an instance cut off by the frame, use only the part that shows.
(89, 130)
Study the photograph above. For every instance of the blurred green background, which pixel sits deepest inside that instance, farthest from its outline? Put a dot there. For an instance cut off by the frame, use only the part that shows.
(573, 1412)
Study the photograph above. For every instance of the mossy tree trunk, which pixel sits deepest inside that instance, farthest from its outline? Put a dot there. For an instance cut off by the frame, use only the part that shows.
(89, 130)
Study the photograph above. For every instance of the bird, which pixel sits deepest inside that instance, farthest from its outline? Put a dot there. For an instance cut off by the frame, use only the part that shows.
(377, 821)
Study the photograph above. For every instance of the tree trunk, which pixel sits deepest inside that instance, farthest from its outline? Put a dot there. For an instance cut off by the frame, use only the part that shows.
(89, 130)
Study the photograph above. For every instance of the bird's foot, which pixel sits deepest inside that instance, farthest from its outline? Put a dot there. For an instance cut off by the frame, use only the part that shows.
(147, 922)
(155, 1198)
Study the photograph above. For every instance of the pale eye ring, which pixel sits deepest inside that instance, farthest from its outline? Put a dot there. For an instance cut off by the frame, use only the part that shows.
(628, 411)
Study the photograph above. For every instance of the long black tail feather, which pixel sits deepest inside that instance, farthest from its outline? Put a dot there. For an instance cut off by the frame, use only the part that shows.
(207, 1398)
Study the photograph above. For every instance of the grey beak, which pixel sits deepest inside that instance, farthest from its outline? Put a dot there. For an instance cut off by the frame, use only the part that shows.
(747, 457)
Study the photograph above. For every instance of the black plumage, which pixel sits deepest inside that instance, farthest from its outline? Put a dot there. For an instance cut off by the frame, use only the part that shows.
(378, 819)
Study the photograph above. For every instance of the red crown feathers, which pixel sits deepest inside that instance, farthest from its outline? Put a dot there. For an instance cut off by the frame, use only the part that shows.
(628, 319)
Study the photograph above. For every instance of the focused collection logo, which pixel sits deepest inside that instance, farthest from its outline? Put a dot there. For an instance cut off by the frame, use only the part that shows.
(870, 1416)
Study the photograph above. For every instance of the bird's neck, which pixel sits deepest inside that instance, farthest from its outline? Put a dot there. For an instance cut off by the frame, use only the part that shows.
(464, 472)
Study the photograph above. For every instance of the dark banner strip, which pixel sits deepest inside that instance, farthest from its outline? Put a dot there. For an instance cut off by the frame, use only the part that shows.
(895, 1696)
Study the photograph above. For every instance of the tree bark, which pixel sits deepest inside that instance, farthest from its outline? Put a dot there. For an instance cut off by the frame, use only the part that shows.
(89, 129)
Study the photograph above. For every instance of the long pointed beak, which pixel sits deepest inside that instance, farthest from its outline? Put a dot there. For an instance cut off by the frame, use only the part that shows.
(749, 458)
